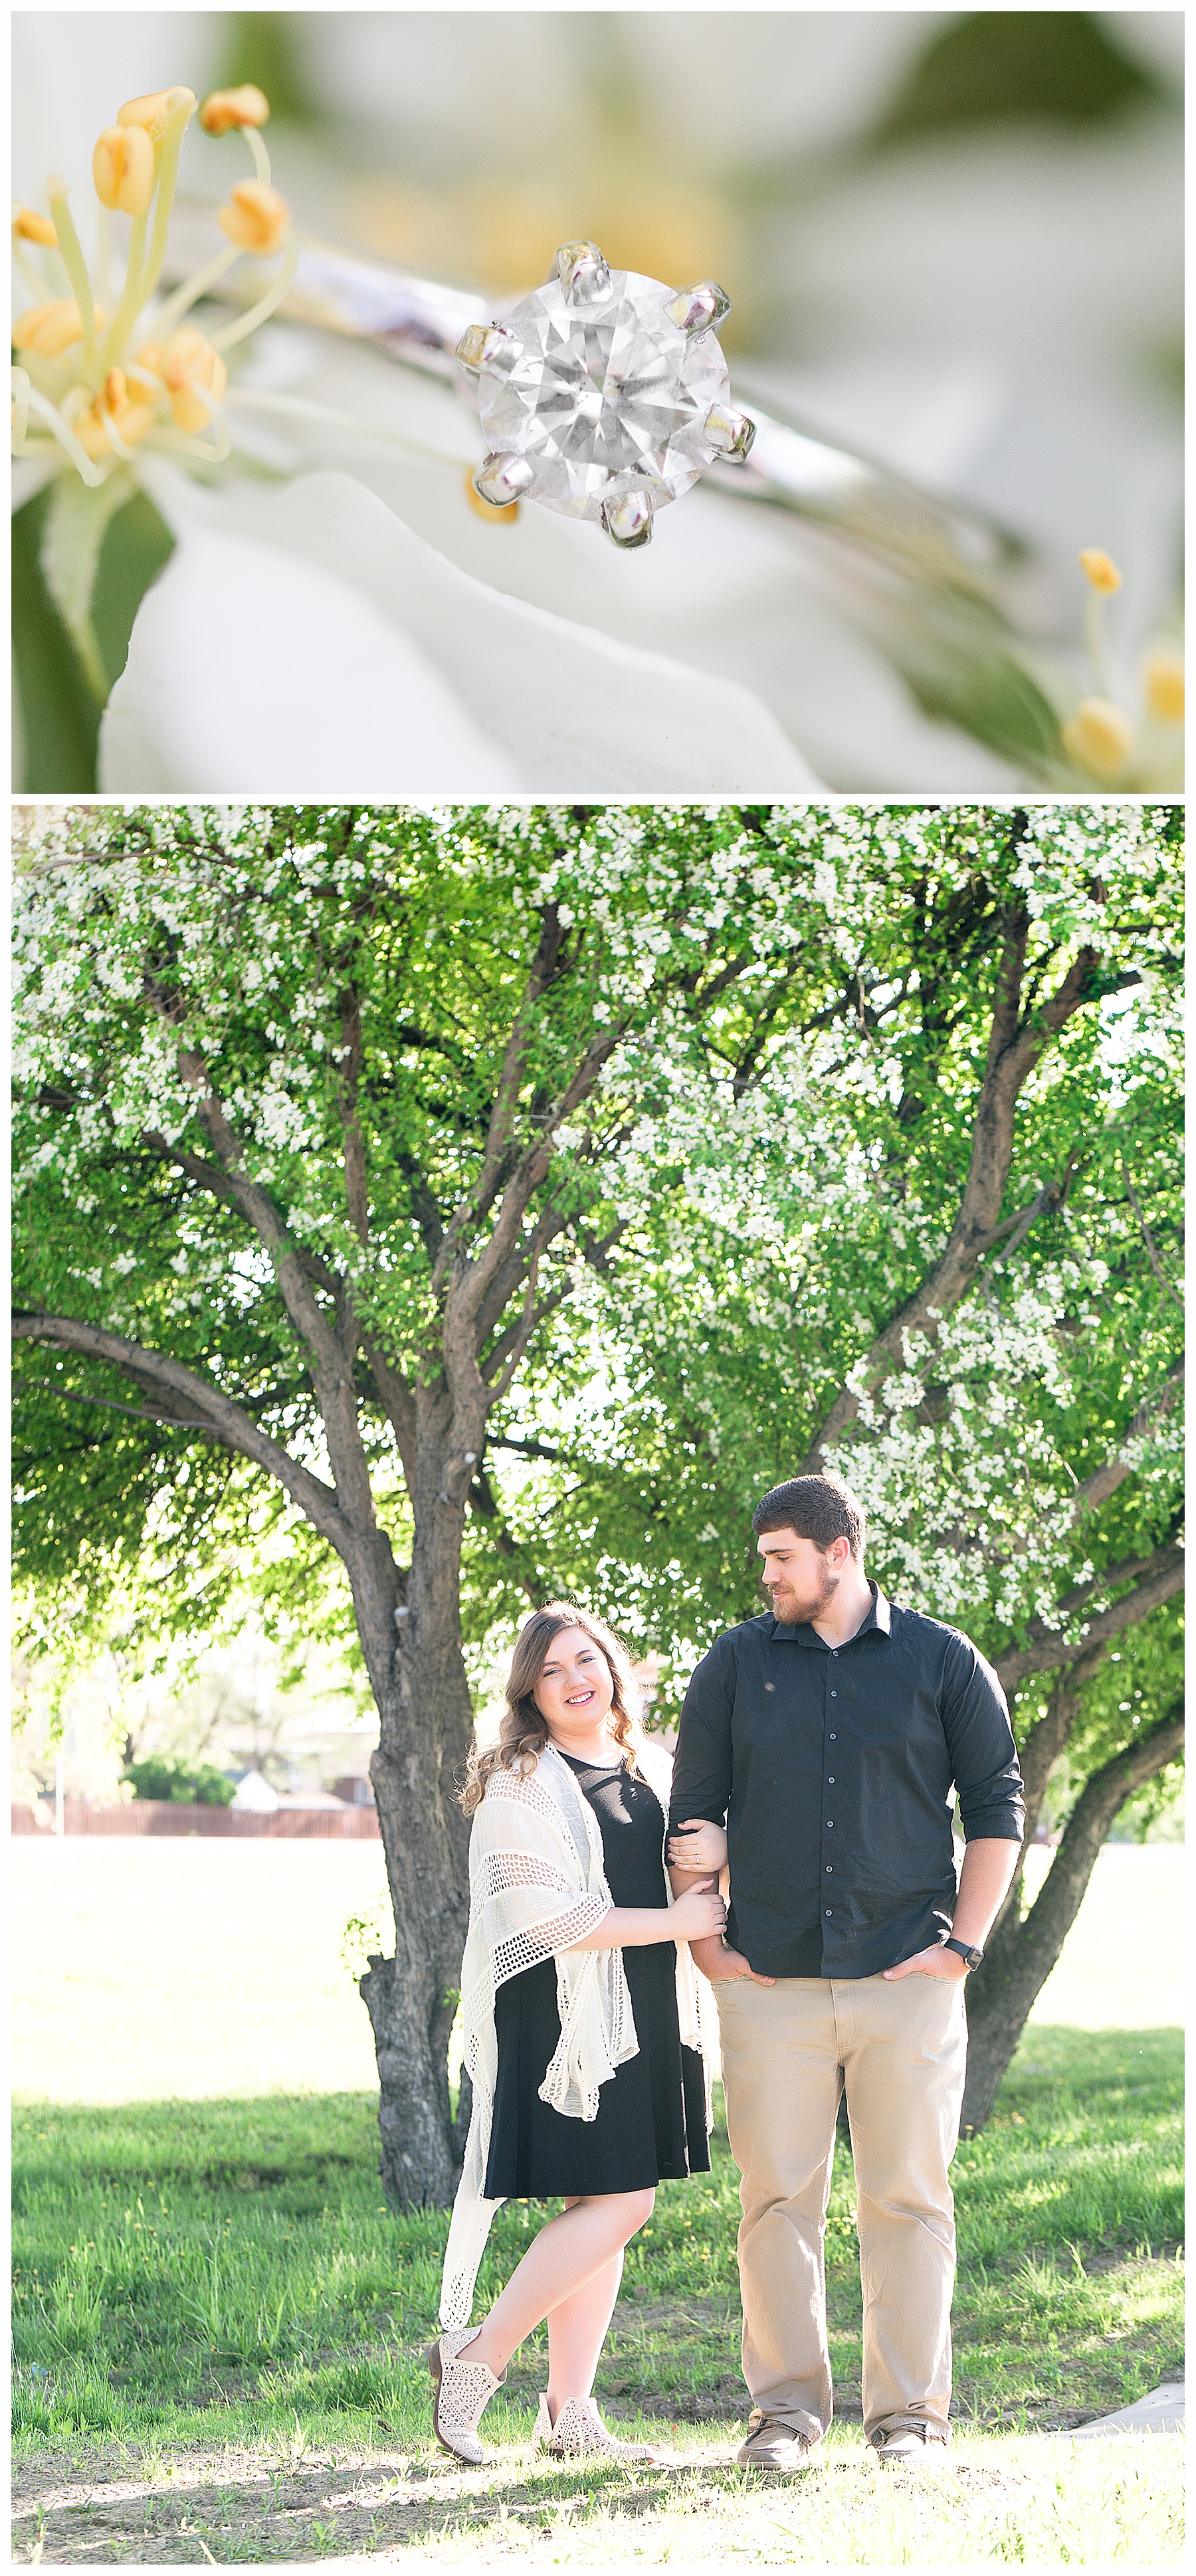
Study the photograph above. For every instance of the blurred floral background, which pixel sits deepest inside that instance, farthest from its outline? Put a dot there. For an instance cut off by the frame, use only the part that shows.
(952, 238)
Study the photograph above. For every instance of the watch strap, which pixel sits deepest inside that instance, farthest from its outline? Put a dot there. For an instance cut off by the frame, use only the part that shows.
(966, 1950)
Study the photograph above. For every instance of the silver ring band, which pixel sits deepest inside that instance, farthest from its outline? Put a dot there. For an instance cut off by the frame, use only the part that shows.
(793, 466)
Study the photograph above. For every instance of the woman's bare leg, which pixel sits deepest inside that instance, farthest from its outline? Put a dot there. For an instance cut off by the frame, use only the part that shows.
(576, 2334)
(560, 2261)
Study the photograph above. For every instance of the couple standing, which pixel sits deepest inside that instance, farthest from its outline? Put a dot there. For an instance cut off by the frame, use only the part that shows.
(819, 1749)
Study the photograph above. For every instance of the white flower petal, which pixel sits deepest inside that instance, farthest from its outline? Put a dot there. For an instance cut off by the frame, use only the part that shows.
(567, 708)
(252, 672)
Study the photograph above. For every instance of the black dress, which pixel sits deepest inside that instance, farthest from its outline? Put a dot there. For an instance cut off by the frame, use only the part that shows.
(651, 2123)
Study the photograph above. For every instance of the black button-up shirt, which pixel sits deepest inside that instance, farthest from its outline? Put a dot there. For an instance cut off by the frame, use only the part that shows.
(834, 1769)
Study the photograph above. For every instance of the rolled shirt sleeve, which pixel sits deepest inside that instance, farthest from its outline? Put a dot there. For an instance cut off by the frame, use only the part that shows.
(984, 1763)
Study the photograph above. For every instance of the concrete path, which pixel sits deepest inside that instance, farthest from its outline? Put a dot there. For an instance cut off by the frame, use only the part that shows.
(1161, 2412)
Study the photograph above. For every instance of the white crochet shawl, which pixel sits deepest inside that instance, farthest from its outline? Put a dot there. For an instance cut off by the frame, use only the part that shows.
(536, 1886)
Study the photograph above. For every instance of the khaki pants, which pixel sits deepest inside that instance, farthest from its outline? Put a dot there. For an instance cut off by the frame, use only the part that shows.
(787, 2051)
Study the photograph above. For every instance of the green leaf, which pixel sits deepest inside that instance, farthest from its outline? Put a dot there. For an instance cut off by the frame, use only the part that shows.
(73, 531)
(59, 712)
(60, 708)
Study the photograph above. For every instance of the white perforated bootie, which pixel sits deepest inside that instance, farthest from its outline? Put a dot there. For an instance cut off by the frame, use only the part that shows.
(463, 2388)
(579, 2433)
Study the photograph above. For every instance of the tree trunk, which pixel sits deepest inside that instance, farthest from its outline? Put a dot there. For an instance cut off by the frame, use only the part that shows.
(1039, 1754)
(426, 1733)
(1002, 1992)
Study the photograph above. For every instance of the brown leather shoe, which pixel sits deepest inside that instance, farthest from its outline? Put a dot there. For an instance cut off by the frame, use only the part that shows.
(772, 2445)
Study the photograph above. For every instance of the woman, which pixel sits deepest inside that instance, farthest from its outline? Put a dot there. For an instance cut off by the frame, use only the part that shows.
(582, 2030)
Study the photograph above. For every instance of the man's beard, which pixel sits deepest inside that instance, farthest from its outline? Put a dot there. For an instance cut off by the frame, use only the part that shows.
(796, 1610)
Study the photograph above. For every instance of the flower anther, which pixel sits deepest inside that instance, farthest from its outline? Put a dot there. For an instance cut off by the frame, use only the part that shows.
(1165, 686)
(123, 409)
(195, 377)
(45, 330)
(255, 218)
(158, 109)
(1100, 569)
(1099, 737)
(30, 226)
(229, 108)
(122, 166)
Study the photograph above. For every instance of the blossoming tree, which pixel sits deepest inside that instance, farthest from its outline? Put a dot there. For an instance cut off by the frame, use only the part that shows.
(503, 1196)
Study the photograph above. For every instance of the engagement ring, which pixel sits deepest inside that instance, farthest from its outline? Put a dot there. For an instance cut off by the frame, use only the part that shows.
(605, 395)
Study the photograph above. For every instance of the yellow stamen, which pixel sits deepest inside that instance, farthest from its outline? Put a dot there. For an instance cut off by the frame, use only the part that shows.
(182, 109)
(123, 169)
(1165, 686)
(46, 411)
(155, 110)
(1100, 569)
(1099, 737)
(121, 408)
(494, 518)
(227, 108)
(195, 377)
(35, 228)
(48, 329)
(255, 217)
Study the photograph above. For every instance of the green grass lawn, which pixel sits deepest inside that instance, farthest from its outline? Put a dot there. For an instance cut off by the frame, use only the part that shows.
(216, 2316)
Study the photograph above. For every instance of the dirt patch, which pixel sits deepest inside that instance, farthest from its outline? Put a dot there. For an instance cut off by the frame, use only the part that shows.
(246, 2507)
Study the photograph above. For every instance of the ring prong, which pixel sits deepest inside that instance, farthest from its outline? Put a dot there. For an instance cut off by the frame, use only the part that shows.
(699, 308)
(499, 480)
(583, 272)
(628, 521)
(730, 432)
(481, 344)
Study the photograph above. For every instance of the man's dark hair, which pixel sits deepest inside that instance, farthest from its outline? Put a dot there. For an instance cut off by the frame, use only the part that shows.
(821, 1508)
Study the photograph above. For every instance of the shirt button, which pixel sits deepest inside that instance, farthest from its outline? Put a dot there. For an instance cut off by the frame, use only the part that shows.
(831, 1782)
(834, 1694)
(834, 1739)
(828, 1909)
(828, 1869)
(830, 1824)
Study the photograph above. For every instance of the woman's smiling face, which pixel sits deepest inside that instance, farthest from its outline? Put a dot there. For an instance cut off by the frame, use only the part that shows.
(575, 1687)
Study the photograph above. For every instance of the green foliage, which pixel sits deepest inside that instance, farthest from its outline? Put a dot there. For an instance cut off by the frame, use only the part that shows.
(190, 1784)
(768, 1169)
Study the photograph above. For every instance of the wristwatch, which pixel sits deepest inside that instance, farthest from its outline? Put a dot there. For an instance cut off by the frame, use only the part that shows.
(971, 1958)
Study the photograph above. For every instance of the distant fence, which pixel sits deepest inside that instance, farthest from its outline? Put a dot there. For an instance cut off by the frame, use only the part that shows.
(170, 1816)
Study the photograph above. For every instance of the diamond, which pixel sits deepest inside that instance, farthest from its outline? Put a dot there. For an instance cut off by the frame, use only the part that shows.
(606, 397)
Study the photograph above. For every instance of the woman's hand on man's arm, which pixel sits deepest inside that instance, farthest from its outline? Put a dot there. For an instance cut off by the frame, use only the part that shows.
(697, 1916)
(696, 1845)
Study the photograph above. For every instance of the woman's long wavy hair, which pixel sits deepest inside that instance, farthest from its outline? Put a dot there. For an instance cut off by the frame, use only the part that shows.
(523, 1732)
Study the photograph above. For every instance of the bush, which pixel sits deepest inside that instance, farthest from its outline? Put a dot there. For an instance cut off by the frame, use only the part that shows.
(190, 1784)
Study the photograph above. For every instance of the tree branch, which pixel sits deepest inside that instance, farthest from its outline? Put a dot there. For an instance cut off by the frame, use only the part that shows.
(1046, 1650)
(1015, 1045)
(332, 1368)
(500, 1134)
(228, 1420)
(1152, 1248)
(1097, 1488)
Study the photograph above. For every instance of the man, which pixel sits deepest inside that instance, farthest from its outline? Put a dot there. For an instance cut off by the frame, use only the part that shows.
(829, 1733)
